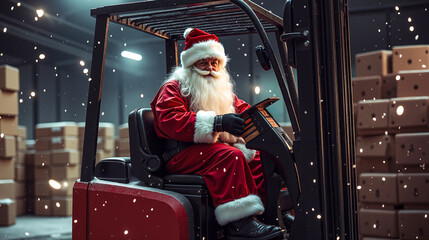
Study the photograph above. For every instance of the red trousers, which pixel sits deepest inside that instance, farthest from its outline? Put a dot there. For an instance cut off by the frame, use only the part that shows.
(225, 171)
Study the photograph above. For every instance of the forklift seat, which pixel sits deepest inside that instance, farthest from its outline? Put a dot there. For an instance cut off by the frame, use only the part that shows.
(146, 150)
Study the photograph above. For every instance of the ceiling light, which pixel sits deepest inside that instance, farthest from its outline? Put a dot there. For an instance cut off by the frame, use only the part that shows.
(131, 55)
(40, 12)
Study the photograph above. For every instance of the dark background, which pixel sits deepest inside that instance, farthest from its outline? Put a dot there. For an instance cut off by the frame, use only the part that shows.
(65, 36)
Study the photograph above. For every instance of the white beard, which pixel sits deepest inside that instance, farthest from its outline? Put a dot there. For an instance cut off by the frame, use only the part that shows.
(208, 93)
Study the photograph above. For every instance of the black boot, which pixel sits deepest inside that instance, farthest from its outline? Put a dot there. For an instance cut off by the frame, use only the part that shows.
(251, 228)
(288, 220)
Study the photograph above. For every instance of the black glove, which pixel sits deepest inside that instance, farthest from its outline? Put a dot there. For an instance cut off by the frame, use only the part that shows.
(230, 122)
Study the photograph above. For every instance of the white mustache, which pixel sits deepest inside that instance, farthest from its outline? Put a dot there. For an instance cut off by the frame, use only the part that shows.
(205, 73)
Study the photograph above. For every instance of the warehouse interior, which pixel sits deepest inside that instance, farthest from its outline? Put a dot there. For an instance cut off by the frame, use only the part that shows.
(45, 63)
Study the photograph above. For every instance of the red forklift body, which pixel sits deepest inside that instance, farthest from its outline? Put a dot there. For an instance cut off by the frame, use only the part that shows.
(125, 211)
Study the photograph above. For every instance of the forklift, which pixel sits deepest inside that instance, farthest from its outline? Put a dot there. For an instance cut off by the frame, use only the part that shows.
(134, 198)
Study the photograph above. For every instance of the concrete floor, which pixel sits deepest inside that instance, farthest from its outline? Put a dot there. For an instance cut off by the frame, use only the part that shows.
(38, 227)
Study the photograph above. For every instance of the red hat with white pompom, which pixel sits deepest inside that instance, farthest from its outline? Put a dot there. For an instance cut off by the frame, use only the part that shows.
(200, 45)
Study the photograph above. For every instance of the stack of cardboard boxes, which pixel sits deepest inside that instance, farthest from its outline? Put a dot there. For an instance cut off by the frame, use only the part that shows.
(122, 145)
(391, 95)
(54, 168)
(9, 85)
(20, 176)
(105, 140)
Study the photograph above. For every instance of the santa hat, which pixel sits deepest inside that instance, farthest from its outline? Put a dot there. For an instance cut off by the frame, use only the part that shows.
(199, 45)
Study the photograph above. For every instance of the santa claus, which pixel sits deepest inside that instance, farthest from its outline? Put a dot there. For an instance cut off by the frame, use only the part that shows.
(196, 111)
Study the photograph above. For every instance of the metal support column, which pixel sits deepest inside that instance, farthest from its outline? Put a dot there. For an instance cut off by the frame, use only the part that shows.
(325, 153)
(171, 54)
(94, 98)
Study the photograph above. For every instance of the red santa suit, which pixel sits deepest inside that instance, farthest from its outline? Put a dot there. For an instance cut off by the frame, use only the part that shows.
(232, 182)
(232, 178)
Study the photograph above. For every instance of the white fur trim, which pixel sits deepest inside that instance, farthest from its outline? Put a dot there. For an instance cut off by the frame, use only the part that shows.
(201, 50)
(238, 209)
(204, 127)
(249, 154)
(186, 32)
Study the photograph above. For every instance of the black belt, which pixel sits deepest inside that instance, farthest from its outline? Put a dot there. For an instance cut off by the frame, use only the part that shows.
(173, 147)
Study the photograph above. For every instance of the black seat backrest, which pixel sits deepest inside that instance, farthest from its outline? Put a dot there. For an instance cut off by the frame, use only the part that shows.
(145, 148)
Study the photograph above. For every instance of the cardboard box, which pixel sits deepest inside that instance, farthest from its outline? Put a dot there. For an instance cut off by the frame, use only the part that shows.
(124, 144)
(21, 145)
(57, 129)
(43, 143)
(62, 187)
(369, 165)
(105, 129)
(22, 132)
(105, 144)
(21, 206)
(411, 169)
(381, 206)
(64, 143)
(378, 188)
(20, 189)
(371, 238)
(9, 78)
(29, 157)
(372, 117)
(42, 158)
(38, 173)
(52, 187)
(42, 173)
(65, 172)
(9, 103)
(19, 172)
(412, 57)
(42, 188)
(7, 188)
(389, 86)
(123, 131)
(61, 206)
(382, 146)
(378, 223)
(109, 153)
(7, 147)
(413, 187)
(413, 83)
(7, 170)
(366, 88)
(413, 224)
(409, 114)
(81, 140)
(42, 206)
(7, 212)
(374, 63)
(99, 156)
(412, 148)
(123, 154)
(20, 157)
(9, 125)
(65, 156)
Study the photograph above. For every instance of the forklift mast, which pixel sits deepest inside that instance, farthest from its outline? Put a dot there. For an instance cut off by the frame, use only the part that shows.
(312, 37)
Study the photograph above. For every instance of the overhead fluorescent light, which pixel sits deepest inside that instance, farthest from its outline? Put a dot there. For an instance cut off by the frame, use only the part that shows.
(40, 12)
(131, 55)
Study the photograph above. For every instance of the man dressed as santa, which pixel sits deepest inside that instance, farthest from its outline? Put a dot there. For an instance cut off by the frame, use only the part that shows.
(196, 111)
